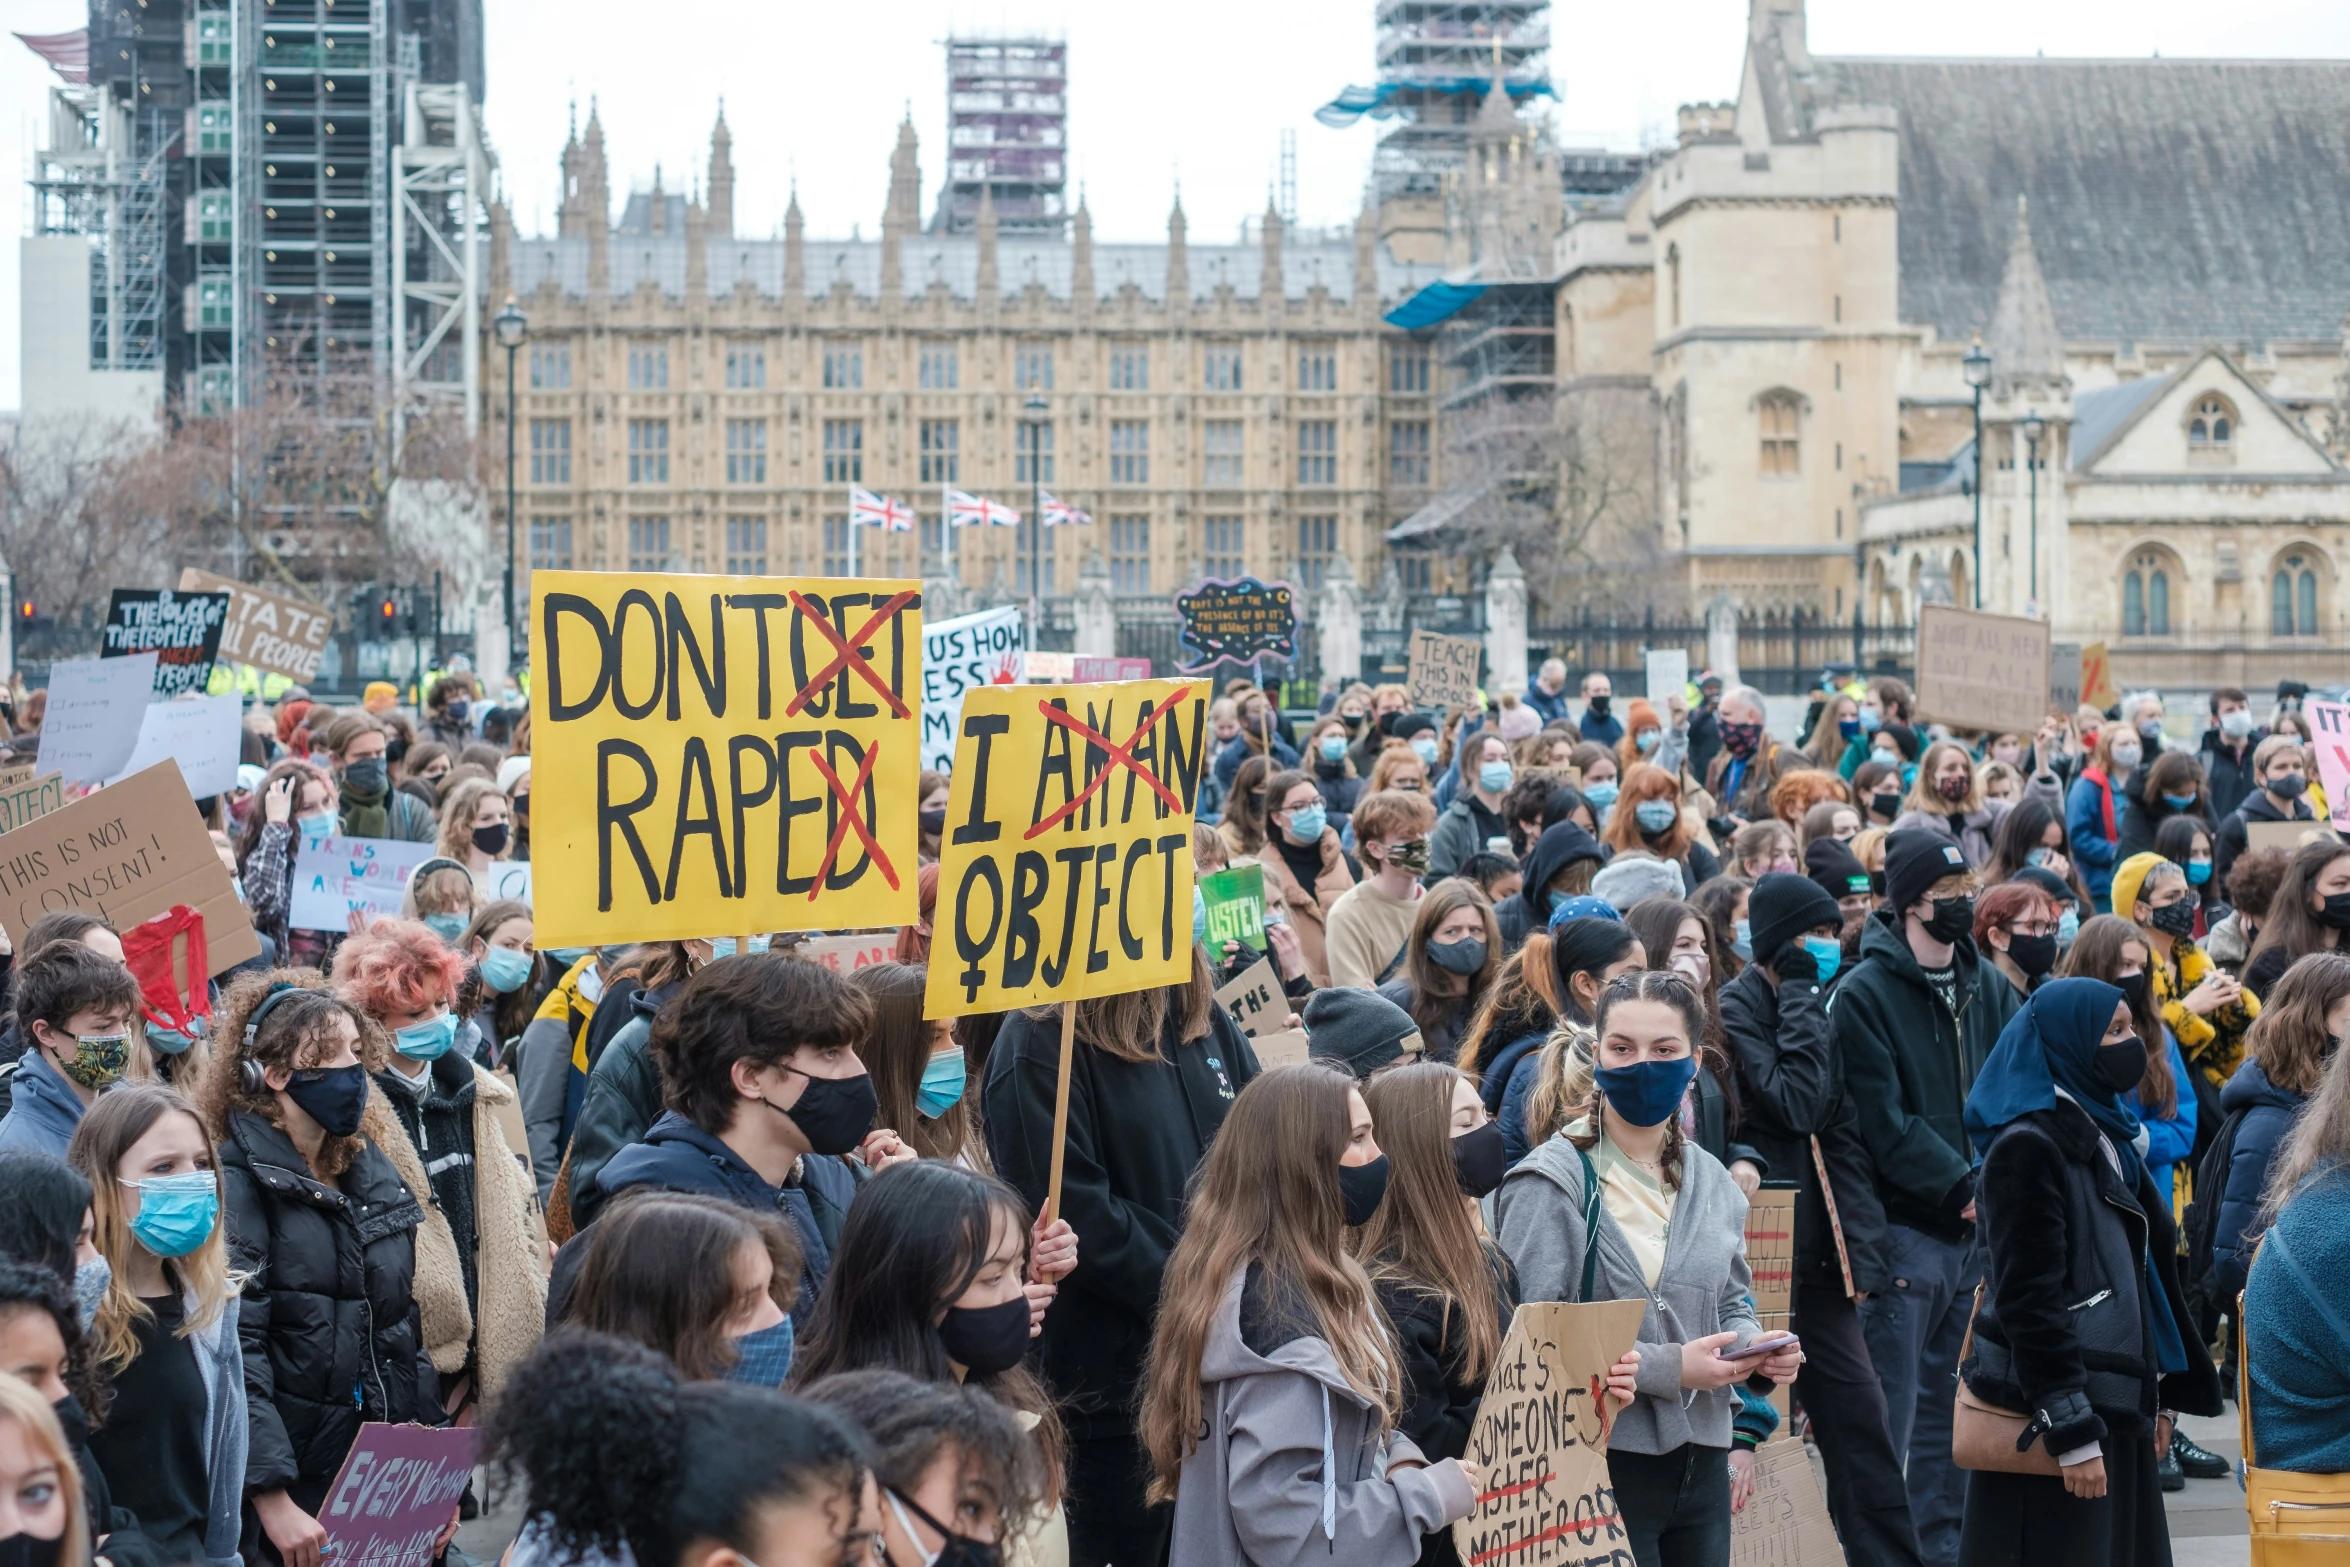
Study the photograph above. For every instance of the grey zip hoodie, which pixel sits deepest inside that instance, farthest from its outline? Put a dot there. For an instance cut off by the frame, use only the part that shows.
(1704, 1288)
(1291, 1468)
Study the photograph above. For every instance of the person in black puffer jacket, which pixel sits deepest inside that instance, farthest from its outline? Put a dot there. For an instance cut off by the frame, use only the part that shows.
(2083, 1323)
(1563, 847)
(324, 1232)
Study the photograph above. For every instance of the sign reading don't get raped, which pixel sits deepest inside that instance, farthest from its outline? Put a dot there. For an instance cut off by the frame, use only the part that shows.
(723, 755)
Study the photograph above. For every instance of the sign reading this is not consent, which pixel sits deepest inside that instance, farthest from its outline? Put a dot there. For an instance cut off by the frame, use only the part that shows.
(1065, 868)
(719, 755)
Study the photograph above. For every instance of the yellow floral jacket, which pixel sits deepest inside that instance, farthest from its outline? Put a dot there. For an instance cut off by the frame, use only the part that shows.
(2213, 1045)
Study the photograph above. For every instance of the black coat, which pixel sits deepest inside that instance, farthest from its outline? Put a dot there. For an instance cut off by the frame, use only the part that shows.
(1528, 910)
(1137, 1130)
(2227, 772)
(2235, 837)
(1791, 1092)
(1440, 1397)
(2146, 814)
(328, 1319)
(2065, 1328)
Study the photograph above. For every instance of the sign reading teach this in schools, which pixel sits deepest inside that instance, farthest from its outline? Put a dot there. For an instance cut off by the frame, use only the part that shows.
(1065, 867)
(716, 755)
(1237, 622)
(1979, 671)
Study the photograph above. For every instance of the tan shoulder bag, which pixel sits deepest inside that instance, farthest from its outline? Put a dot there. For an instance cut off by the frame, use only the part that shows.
(1983, 1436)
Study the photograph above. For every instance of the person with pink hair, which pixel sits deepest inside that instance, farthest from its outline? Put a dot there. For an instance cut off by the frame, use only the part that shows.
(481, 1285)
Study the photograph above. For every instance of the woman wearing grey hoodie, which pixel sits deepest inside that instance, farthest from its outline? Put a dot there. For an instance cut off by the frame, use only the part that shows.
(1271, 1393)
(1617, 1206)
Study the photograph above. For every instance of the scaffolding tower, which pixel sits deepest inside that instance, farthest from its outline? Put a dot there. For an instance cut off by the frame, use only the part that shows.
(438, 253)
(1007, 134)
(103, 174)
(1437, 63)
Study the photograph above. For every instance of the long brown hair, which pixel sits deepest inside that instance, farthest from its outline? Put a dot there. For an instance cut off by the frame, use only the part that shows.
(1241, 810)
(2290, 923)
(2096, 953)
(2289, 1038)
(1647, 781)
(113, 1125)
(1423, 1238)
(2320, 1138)
(1657, 922)
(1129, 1025)
(660, 1270)
(897, 1051)
(1438, 994)
(1267, 1193)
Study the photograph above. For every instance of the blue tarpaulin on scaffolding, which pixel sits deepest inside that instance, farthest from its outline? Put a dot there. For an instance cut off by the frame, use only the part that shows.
(1437, 302)
(1352, 103)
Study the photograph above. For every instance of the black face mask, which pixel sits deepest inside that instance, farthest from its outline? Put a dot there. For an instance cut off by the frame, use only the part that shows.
(1886, 803)
(1478, 1159)
(1598, 706)
(1458, 957)
(933, 822)
(2121, 1064)
(2135, 986)
(1362, 1188)
(2336, 912)
(834, 1113)
(2175, 919)
(72, 1421)
(959, 1550)
(335, 1097)
(368, 775)
(25, 1550)
(1952, 918)
(986, 1340)
(492, 839)
(2035, 955)
(2287, 785)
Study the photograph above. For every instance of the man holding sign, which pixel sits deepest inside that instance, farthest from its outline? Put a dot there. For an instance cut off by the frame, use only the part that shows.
(1065, 899)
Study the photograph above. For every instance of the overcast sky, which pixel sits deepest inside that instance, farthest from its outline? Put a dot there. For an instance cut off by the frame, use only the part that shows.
(1200, 91)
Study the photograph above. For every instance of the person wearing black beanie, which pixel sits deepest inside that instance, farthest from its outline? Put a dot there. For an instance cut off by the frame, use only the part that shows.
(1783, 907)
(1834, 869)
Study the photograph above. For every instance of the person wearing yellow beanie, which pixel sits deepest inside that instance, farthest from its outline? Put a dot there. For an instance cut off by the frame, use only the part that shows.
(380, 697)
(2205, 1009)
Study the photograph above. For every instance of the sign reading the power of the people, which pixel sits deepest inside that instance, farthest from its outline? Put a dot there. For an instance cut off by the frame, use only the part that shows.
(1235, 622)
(1065, 868)
(182, 630)
(723, 755)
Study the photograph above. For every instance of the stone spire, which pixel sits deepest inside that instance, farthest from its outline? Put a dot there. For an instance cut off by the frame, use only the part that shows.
(1178, 257)
(657, 220)
(795, 252)
(2024, 343)
(697, 254)
(989, 286)
(1272, 291)
(595, 205)
(1081, 258)
(501, 250)
(721, 176)
(905, 181)
(1366, 284)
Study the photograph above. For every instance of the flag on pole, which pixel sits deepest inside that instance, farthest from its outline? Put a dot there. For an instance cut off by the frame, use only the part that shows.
(868, 510)
(973, 511)
(1059, 513)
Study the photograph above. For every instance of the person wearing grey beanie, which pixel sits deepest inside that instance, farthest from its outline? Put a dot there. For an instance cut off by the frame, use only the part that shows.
(1631, 879)
(1358, 1030)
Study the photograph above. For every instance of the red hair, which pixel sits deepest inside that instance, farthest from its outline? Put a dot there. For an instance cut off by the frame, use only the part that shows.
(2006, 903)
(397, 966)
(914, 940)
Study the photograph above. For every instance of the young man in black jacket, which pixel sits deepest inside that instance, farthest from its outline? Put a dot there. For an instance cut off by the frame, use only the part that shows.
(1913, 1029)
(1798, 1116)
(2281, 777)
(2228, 749)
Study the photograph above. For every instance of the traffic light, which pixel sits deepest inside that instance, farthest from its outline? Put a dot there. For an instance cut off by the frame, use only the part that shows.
(387, 611)
(24, 614)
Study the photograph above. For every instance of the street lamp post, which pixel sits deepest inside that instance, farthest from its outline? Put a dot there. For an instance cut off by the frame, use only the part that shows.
(511, 326)
(1032, 420)
(2034, 428)
(1977, 365)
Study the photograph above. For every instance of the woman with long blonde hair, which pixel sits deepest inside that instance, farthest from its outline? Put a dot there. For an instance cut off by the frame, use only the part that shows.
(166, 1331)
(38, 1477)
(1271, 1394)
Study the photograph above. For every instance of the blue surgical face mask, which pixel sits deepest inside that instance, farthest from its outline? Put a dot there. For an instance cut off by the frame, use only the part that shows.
(1656, 815)
(2068, 925)
(176, 1212)
(763, 1359)
(1494, 777)
(1744, 945)
(566, 956)
(1199, 914)
(449, 927)
(1424, 748)
(429, 1040)
(321, 825)
(1646, 1093)
(724, 946)
(1647, 739)
(1601, 794)
(1333, 748)
(2178, 802)
(1826, 953)
(167, 1041)
(504, 969)
(1871, 720)
(2198, 871)
(943, 1077)
(1306, 826)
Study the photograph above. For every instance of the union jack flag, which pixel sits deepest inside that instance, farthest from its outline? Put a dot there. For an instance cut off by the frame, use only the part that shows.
(1059, 513)
(973, 511)
(868, 510)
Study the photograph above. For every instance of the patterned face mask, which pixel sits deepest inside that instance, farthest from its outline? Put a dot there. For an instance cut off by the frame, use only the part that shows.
(98, 1060)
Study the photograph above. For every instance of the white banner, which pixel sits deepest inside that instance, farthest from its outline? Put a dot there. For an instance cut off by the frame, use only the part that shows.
(970, 650)
(333, 876)
(506, 879)
(203, 734)
(94, 716)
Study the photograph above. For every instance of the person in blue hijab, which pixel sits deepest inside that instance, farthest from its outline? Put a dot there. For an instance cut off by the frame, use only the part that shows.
(2079, 1319)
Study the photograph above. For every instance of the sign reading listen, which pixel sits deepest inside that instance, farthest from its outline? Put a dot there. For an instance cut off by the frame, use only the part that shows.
(724, 754)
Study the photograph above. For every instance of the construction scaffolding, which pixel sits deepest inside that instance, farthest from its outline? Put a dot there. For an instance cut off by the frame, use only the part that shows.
(438, 253)
(1437, 63)
(1007, 134)
(103, 174)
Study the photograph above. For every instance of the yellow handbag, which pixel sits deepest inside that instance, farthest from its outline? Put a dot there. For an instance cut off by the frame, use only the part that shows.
(2298, 1520)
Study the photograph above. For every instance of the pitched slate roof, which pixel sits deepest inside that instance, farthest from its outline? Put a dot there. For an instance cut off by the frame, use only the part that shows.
(2171, 200)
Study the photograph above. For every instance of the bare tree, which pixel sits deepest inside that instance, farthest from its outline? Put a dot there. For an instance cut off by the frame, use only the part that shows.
(71, 522)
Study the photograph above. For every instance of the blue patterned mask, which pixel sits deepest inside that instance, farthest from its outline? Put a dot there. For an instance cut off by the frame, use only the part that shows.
(763, 1359)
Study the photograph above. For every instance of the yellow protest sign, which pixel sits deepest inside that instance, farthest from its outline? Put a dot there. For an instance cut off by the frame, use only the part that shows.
(1065, 868)
(717, 755)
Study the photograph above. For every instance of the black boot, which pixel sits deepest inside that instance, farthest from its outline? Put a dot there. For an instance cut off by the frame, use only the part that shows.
(2195, 1461)
(2166, 1469)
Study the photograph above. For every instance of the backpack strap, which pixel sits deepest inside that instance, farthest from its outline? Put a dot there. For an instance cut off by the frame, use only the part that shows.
(1590, 1224)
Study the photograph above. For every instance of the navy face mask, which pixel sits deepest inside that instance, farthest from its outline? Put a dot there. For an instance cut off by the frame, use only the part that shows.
(1646, 1093)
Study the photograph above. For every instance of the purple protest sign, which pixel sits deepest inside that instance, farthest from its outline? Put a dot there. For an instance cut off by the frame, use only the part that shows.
(397, 1490)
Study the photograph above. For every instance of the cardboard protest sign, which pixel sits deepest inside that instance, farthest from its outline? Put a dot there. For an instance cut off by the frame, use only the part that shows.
(334, 877)
(1065, 871)
(182, 630)
(1236, 906)
(1236, 622)
(272, 631)
(1770, 1247)
(1282, 1047)
(1785, 1522)
(957, 654)
(1255, 999)
(2287, 836)
(1980, 671)
(30, 799)
(126, 853)
(1048, 669)
(1443, 670)
(735, 754)
(1540, 1440)
(1089, 671)
(2330, 722)
(505, 879)
(96, 706)
(2064, 678)
(1668, 676)
(201, 733)
(847, 954)
(398, 1487)
(2097, 678)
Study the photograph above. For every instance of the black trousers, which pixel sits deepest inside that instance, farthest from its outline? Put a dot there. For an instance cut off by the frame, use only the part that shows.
(2033, 1521)
(1839, 1388)
(1108, 1524)
(1676, 1505)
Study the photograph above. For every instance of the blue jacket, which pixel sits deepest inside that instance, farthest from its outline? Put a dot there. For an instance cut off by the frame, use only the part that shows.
(1237, 750)
(679, 1156)
(2084, 834)
(1607, 731)
(2298, 1334)
(43, 1112)
(1552, 708)
(2268, 1120)
(1524, 1060)
(2168, 1140)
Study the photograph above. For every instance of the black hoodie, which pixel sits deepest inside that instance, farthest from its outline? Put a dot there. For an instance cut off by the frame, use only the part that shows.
(2234, 835)
(1561, 845)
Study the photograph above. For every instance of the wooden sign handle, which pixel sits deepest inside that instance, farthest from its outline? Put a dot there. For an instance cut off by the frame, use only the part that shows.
(1052, 1191)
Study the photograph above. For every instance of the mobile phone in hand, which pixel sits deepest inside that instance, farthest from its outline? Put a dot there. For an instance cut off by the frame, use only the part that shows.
(1769, 1343)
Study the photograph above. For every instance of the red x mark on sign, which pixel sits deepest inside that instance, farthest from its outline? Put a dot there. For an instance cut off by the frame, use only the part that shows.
(845, 653)
(1120, 755)
(850, 817)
